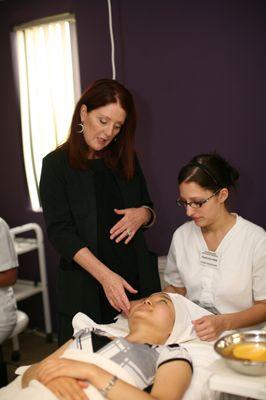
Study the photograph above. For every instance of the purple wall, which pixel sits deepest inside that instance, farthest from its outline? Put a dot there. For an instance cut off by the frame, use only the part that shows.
(197, 70)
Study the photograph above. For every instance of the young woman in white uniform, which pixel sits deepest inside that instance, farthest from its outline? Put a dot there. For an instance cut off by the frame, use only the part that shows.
(217, 260)
(8, 272)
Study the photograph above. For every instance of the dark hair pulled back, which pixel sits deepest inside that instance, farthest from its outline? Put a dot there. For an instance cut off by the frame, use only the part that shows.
(210, 171)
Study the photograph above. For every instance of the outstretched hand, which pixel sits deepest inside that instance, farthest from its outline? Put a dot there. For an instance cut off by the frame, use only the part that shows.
(209, 327)
(114, 287)
(129, 224)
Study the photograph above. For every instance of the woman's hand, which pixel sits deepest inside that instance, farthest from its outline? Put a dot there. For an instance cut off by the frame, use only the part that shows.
(114, 287)
(55, 368)
(174, 289)
(126, 227)
(113, 284)
(209, 327)
(65, 388)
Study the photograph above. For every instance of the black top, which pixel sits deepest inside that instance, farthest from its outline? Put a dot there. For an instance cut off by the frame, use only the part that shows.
(98, 341)
(78, 211)
(119, 257)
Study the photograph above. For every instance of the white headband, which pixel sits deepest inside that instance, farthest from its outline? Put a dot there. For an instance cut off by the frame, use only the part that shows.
(185, 312)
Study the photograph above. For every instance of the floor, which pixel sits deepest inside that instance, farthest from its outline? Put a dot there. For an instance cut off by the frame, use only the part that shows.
(33, 348)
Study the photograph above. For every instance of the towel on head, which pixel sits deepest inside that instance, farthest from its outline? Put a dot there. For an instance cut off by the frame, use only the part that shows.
(185, 312)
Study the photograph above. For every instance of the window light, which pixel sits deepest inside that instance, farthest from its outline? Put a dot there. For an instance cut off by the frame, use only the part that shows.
(49, 86)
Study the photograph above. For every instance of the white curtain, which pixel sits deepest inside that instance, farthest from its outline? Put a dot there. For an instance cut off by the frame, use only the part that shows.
(48, 92)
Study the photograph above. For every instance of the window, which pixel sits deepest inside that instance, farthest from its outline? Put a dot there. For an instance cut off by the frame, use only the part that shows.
(49, 87)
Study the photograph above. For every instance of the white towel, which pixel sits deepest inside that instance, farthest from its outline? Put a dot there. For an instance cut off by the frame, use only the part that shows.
(185, 312)
(38, 391)
(102, 362)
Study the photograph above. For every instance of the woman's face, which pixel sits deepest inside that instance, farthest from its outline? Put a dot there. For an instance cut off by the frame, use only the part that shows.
(157, 310)
(101, 125)
(209, 212)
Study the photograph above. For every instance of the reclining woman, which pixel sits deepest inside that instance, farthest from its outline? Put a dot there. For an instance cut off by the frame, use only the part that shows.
(124, 367)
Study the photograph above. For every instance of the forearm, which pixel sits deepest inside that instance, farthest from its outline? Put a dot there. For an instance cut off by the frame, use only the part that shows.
(30, 374)
(113, 284)
(8, 278)
(120, 391)
(32, 371)
(87, 260)
(175, 289)
(252, 316)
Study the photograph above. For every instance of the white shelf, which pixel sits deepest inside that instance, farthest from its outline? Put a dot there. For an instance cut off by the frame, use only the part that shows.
(24, 245)
(24, 289)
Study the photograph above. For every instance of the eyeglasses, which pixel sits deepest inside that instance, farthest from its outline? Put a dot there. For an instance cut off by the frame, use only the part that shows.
(196, 204)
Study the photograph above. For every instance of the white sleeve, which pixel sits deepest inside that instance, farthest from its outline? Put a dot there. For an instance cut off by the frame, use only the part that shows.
(173, 352)
(259, 270)
(171, 273)
(8, 256)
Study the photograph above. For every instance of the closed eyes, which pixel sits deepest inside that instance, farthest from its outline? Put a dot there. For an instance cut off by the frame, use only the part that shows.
(103, 121)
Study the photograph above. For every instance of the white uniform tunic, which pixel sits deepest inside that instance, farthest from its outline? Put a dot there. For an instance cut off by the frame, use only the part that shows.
(8, 260)
(229, 279)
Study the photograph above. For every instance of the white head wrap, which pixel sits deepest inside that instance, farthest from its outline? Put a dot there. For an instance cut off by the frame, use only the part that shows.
(185, 312)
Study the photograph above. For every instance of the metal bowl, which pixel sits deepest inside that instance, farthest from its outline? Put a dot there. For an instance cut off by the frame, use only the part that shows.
(230, 347)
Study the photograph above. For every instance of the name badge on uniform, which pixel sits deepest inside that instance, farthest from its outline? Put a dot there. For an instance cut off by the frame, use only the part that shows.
(209, 259)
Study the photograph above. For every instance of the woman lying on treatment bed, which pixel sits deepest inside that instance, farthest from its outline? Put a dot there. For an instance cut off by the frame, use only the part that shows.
(147, 356)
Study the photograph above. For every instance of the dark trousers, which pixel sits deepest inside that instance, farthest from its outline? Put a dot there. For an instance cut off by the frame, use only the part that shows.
(65, 329)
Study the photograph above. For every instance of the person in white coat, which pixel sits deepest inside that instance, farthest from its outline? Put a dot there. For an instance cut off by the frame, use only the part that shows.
(8, 274)
(217, 260)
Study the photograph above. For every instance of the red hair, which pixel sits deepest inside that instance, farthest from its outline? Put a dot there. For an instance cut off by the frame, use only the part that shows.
(119, 154)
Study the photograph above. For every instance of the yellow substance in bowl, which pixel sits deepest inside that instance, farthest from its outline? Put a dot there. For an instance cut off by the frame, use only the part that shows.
(250, 351)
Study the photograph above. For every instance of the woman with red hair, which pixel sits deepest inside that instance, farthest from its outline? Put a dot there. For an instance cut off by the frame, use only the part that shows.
(96, 204)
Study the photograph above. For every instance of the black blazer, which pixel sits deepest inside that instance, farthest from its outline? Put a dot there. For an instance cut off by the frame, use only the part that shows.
(70, 212)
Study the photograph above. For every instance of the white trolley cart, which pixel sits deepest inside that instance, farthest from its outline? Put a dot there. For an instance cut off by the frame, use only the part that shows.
(27, 288)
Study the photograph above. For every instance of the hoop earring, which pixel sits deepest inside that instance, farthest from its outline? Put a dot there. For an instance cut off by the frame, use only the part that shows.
(81, 128)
